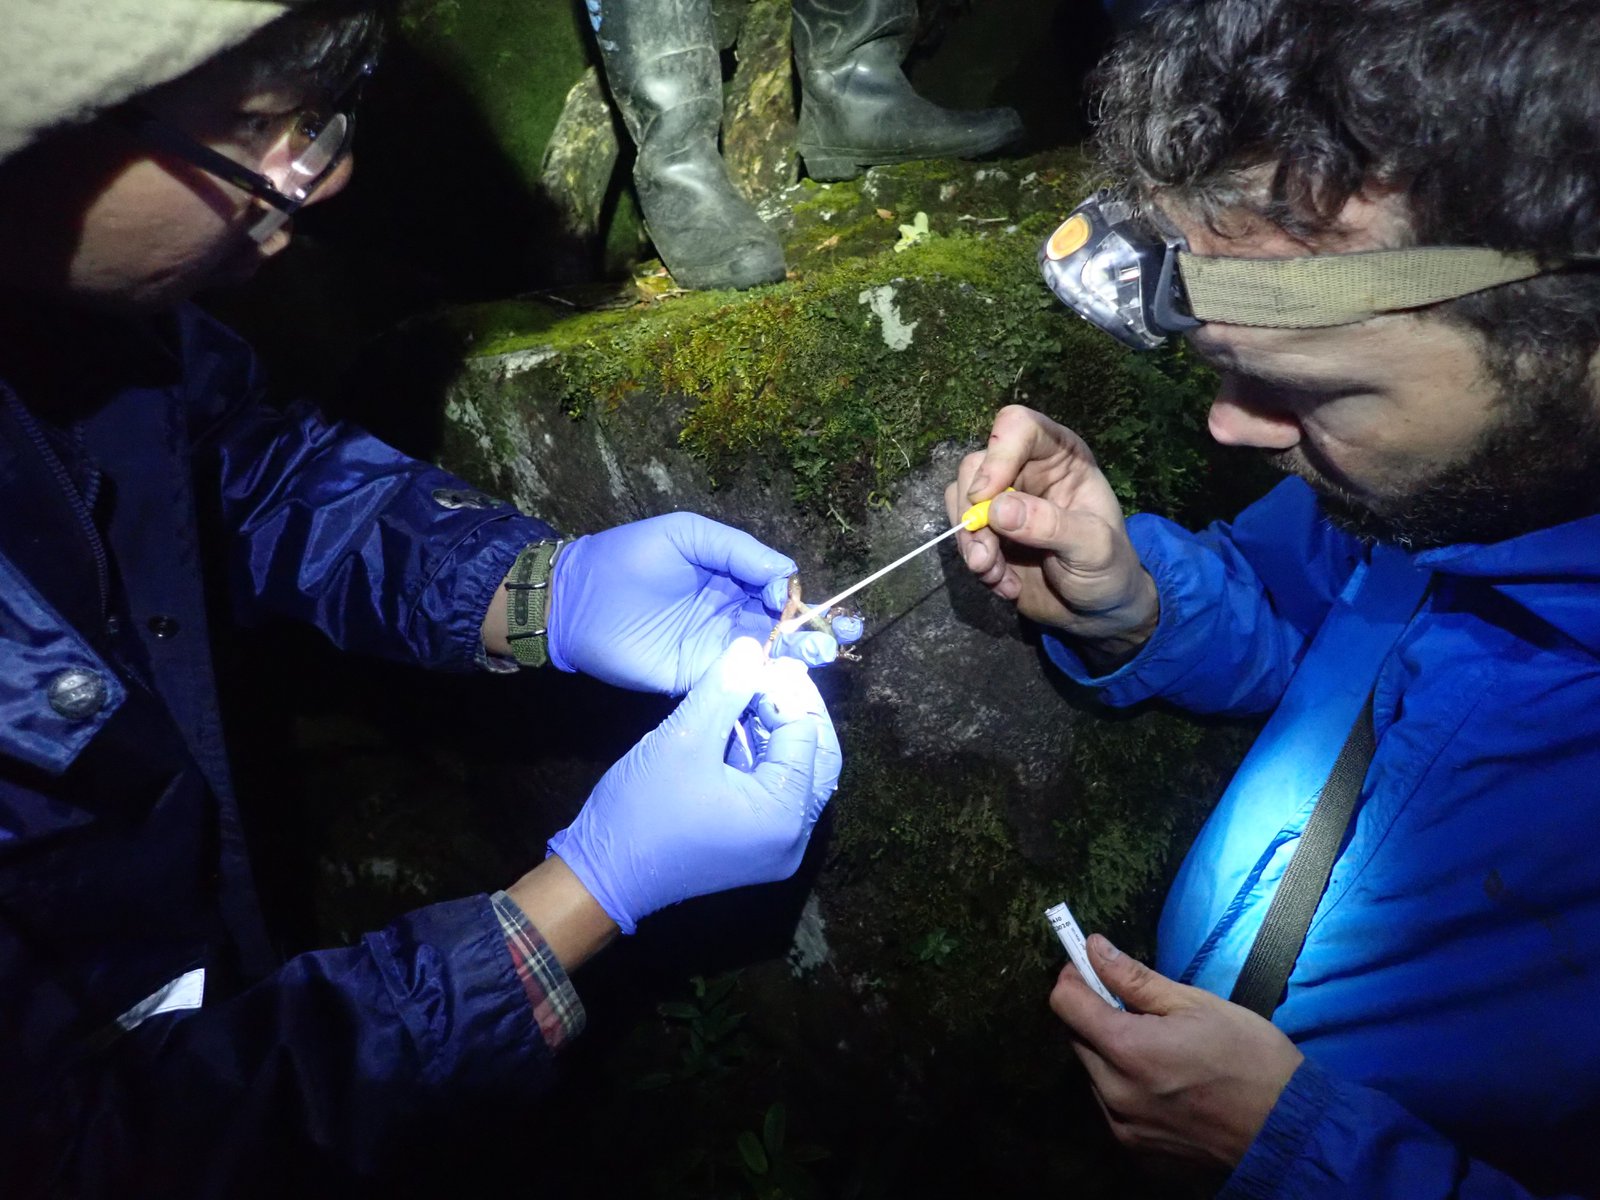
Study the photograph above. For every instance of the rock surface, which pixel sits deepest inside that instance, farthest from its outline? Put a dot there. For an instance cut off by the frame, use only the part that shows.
(759, 126)
(580, 157)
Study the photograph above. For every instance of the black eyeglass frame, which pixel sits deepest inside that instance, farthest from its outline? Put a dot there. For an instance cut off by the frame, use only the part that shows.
(164, 136)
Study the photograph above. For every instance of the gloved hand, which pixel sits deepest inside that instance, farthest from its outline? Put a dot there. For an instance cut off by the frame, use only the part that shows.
(673, 819)
(652, 604)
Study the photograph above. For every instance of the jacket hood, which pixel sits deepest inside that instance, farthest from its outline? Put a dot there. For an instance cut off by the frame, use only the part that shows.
(1552, 573)
(64, 61)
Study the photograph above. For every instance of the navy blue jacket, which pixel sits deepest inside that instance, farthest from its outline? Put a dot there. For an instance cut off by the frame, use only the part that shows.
(1445, 995)
(149, 1043)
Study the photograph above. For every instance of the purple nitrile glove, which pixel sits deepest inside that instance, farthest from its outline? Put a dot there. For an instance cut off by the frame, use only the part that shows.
(652, 604)
(673, 819)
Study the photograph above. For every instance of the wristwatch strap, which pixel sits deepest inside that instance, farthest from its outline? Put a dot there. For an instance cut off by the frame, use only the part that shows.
(528, 603)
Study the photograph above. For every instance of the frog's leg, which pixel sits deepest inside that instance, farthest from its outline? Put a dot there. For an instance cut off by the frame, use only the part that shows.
(792, 608)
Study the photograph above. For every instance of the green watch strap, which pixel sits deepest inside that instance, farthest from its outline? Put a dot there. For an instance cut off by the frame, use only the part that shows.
(528, 600)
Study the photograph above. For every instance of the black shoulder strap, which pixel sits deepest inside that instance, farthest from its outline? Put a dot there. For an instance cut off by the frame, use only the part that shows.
(1272, 956)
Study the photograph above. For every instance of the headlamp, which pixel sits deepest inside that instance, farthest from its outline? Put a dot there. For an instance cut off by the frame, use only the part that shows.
(1117, 269)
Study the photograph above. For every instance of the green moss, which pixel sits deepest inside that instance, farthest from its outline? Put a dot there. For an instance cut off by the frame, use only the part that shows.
(1138, 789)
(939, 852)
(833, 221)
(915, 855)
(516, 59)
(505, 326)
(800, 375)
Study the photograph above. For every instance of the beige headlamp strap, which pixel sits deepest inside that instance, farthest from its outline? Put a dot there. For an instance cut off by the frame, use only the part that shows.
(1341, 289)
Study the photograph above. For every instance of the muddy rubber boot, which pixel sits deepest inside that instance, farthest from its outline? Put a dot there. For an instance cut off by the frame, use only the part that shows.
(857, 108)
(666, 78)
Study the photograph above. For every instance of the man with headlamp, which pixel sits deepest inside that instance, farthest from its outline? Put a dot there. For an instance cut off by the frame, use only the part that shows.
(151, 1041)
(1376, 219)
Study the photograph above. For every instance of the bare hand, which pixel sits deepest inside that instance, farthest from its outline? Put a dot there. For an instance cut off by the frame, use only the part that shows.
(1183, 1073)
(1057, 547)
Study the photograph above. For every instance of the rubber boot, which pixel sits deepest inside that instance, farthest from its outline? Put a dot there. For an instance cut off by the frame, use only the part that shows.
(666, 77)
(857, 108)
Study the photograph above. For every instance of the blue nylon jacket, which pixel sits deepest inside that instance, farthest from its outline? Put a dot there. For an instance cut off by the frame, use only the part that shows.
(121, 862)
(1444, 998)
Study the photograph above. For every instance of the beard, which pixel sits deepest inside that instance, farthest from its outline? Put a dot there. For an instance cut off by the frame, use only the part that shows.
(1536, 466)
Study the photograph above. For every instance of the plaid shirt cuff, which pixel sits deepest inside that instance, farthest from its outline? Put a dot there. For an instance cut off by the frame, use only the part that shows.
(557, 1011)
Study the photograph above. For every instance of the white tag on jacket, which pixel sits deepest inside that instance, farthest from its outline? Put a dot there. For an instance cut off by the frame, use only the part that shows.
(186, 991)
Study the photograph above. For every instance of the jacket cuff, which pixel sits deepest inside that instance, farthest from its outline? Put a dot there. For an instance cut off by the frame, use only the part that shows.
(457, 991)
(1167, 651)
(557, 1011)
(1284, 1139)
(481, 563)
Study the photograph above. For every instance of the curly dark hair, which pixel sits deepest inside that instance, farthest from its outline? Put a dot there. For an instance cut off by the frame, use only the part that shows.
(1484, 113)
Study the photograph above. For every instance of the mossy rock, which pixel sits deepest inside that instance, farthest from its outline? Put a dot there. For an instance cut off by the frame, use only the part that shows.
(515, 59)
(844, 377)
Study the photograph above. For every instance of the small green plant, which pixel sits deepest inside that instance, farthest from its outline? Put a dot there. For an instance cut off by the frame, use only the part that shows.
(774, 1169)
(714, 1044)
(935, 946)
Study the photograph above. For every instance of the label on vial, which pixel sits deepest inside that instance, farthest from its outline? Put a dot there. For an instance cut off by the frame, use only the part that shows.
(1060, 918)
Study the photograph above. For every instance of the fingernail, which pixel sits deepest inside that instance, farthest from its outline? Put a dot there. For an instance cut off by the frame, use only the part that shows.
(979, 482)
(1006, 511)
(1107, 950)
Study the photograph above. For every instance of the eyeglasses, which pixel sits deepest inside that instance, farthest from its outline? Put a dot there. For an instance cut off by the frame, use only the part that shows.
(318, 142)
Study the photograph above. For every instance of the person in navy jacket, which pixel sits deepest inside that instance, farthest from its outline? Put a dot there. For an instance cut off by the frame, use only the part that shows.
(1436, 548)
(150, 1042)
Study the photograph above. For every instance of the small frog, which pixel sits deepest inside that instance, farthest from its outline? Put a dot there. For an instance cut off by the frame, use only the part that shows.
(794, 607)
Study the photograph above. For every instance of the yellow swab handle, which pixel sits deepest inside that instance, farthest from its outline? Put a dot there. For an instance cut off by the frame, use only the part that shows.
(976, 517)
